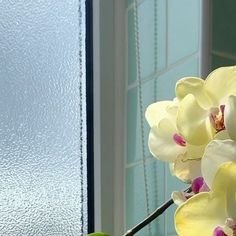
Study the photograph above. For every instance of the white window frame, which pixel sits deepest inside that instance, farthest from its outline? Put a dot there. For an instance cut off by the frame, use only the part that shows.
(109, 115)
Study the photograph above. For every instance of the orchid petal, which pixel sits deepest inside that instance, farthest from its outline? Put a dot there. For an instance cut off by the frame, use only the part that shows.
(216, 153)
(196, 87)
(161, 142)
(224, 183)
(192, 121)
(204, 212)
(186, 170)
(159, 110)
(192, 217)
(222, 135)
(221, 83)
(230, 117)
(194, 152)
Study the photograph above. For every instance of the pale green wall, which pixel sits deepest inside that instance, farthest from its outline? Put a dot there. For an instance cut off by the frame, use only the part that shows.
(223, 51)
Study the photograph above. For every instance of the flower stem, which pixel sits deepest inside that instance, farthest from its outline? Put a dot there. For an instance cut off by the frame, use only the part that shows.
(152, 216)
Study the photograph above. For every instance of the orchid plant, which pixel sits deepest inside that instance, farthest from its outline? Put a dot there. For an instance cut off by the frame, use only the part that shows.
(196, 134)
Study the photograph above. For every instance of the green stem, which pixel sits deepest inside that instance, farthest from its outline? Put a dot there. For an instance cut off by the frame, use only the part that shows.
(152, 216)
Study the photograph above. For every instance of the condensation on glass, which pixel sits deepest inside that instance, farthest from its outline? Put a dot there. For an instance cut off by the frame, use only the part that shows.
(42, 118)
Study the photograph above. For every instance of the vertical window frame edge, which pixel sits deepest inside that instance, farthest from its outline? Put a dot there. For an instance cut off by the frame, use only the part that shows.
(108, 120)
(89, 111)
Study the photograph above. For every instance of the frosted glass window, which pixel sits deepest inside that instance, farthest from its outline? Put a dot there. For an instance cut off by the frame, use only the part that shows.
(43, 180)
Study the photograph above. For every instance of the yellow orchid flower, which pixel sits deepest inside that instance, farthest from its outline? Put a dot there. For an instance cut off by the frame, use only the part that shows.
(211, 213)
(202, 102)
(181, 129)
(220, 151)
(161, 117)
(166, 144)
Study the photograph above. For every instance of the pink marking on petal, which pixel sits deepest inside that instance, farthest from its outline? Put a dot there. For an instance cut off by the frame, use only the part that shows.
(222, 109)
(179, 140)
(234, 228)
(204, 188)
(197, 183)
(218, 231)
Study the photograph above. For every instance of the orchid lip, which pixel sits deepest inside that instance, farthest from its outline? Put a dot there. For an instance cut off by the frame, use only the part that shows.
(218, 231)
(198, 185)
(179, 140)
(217, 119)
(228, 229)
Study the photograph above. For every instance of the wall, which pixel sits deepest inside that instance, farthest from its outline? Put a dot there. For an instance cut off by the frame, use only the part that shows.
(223, 49)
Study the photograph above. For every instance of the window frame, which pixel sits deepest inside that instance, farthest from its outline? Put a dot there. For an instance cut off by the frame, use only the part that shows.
(109, 116)
(89, 111)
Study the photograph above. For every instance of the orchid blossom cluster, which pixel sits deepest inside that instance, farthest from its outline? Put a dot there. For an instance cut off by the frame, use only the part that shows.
(196, 134)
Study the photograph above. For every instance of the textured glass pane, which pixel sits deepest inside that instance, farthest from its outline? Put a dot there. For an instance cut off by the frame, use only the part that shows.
(42, 118)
